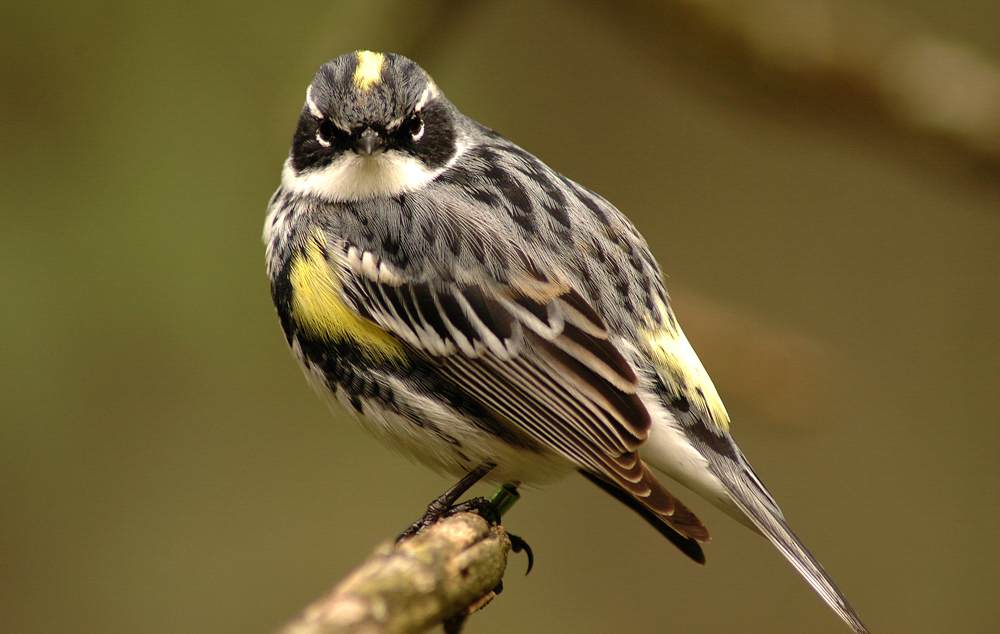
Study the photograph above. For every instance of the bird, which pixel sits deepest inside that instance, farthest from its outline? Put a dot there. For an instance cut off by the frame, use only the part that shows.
(492, 319)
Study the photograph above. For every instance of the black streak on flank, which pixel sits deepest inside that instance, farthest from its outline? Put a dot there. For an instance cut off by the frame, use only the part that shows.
(691, 419)
(525, 223)
(558, 212)
(590, 203)
(356, 404)
(281, 293)
(713, 441)
(650, 296)
(486, 197)
(680, 403)
(512, 190)
(624, 293)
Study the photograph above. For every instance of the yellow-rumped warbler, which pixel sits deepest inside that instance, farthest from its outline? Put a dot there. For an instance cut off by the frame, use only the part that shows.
(490, 317)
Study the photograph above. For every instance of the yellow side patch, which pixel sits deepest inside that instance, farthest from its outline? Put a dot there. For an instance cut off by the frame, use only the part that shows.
(319, 310)
(369, 70)
(672, 352)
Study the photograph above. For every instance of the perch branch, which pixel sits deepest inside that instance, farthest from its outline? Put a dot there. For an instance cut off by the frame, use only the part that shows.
(444, 573)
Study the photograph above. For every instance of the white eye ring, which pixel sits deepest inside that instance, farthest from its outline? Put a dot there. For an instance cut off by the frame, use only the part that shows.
(419, 132)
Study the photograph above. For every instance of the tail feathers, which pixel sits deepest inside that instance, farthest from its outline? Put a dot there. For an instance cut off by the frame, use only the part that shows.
(662, 511)
(671, 510)
(759, 507)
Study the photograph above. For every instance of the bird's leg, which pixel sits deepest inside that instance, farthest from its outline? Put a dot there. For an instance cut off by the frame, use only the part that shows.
(492, 509)
(503, 499)
(445, 503)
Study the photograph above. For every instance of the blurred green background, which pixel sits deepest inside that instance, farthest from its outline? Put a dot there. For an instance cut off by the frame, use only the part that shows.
(835, 252)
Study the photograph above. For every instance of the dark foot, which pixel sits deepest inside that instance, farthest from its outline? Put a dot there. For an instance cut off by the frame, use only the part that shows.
(519, 545)
(428, 519)
(478, 506)
(441, 506)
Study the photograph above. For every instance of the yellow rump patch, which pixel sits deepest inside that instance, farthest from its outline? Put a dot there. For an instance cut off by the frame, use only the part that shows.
(672, 352)
(319, 310)
(369, 70)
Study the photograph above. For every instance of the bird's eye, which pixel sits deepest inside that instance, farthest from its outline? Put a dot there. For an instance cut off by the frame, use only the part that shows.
(326, 130)
(415, 126)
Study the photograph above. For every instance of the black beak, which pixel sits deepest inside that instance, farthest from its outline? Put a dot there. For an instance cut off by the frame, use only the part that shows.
(369, 143)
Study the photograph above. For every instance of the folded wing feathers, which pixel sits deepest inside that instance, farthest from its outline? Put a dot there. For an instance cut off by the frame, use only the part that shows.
(462, 332)
(595, 422)
(495, 326)
(553, 370)
(580, 313)
(545, 319)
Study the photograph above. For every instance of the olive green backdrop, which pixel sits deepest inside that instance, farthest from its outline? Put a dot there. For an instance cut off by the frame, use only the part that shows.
(165, 468)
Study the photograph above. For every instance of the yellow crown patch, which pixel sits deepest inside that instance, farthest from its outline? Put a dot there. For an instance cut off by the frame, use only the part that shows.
(369, 70)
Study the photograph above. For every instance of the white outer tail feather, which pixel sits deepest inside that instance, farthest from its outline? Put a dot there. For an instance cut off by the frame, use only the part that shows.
(757, 505)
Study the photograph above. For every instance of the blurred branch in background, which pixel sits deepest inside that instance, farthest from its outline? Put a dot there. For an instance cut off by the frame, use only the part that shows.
(442, 574)
(781, 377)
(930, 85)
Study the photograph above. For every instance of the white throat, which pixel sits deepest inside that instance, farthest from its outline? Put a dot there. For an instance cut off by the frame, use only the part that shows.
(352, 177)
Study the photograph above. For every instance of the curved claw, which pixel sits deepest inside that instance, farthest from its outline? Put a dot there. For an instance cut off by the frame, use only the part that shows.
(519, 545)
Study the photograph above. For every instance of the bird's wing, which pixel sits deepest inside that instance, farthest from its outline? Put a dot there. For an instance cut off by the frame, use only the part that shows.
(535, 352)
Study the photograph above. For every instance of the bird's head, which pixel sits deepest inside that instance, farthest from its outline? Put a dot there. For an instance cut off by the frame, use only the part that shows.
(373, 124)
